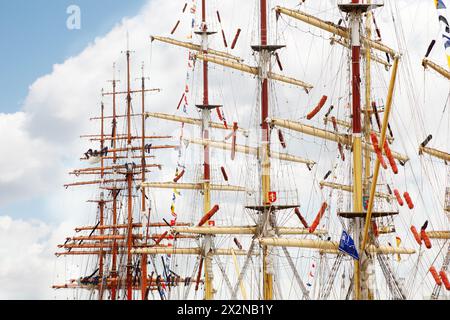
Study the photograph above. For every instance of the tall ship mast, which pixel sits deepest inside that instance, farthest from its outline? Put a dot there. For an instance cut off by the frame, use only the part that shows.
(301, 196)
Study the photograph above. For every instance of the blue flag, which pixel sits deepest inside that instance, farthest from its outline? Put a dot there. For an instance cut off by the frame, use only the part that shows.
(347, 245)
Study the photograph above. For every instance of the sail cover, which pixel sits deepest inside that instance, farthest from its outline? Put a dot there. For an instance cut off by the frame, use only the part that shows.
(442, 9)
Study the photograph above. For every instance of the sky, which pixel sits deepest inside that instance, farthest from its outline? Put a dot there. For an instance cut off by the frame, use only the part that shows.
(53, 76)
(35, 37)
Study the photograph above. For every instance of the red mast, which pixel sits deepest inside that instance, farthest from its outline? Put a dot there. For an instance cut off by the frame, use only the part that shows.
(265, 53)
(101, 206)
(130, 191)
(356, 78)
(115, 193)
(265, 82)
(356, 129)
(143, 206)
(128, 98)
(206, 119)
(207, 169)
(114, 121)
(355, 9)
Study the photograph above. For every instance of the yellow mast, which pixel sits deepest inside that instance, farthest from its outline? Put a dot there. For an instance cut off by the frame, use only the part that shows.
(366, 261)
(206, 119)
(264, 161)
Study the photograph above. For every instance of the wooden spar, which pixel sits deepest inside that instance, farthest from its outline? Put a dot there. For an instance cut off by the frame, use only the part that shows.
(132, 138)
(96, 287)
(193, 121)
(348, 188)
(373, 57)
(91, 245)
(111, 117)
(122, 157)
(333, 28)
(195, 47)
(253, 70)
(188, 251)
(104, 237)
(373, 186)
(327, 135)
(442, 71)
(105, 173)
(84, 183)
(112, 168)
(104, 245)
(312, 131)
(441, 235)
(98, 201)
(96, 172)
(150, 279)
(135, 225)
(215, 230)
(122, 136)
(250, 150)
(131, 92)
(348, 125)
(250, 230)
(191, 186)
(435, 153)
(84, 253)
(139, 148)
(329, 245)
(110, 245)
(74, 283)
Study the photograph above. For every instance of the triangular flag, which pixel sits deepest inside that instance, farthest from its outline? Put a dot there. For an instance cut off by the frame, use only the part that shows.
(439, 4)
(347, 245)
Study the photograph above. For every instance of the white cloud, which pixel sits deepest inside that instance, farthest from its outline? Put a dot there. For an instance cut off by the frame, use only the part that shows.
(27, 161)
(27, 261)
